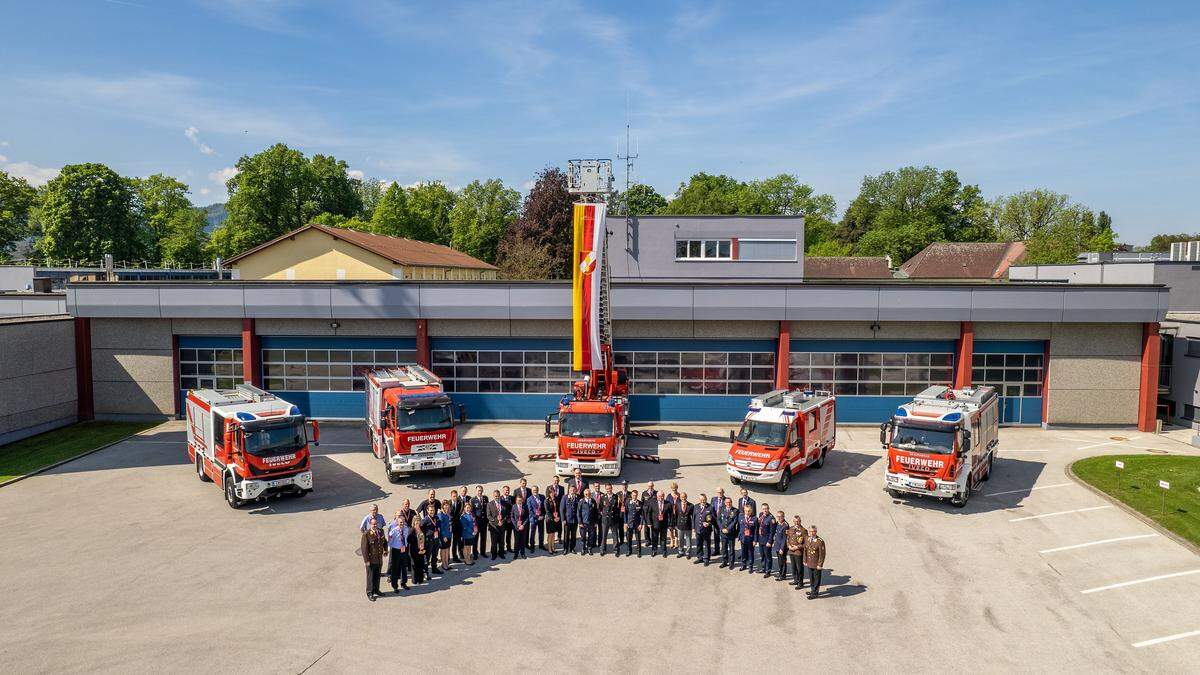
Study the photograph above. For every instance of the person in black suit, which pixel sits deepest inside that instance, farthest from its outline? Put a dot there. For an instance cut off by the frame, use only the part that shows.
(430, 498)
(622, 499)
(496, 519)
(522, 490)
(588, 515)
(746, 500)
(717, 504)
(537, 519)
(479, 504)
(660, 518)
(684, 513)
(633, 523)
(553, 518)
(456, 507)
(579, 482)
(610, 520)
(520, 523)
(703, 520)
(506, 501)
(648, 495)
(568, 512)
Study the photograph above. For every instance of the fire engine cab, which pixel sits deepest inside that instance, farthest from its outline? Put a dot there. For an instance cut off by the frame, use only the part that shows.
(784, 433)
(412, 422)
(942, 444)
(593, 425)
(253, 443)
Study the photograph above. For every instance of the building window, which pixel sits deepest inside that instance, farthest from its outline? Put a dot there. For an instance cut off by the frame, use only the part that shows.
(703, 249)
(1189, 412)
(1010, 374)
(698, 373)
(1193, 347)
(870, 373)
(767, 250)
(210, 368)
(326, 369)
(1166, 360)
(513, 371)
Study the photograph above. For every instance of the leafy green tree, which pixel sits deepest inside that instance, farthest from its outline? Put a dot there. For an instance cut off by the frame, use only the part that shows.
(392, 216)
(1021, 215)
(88, 211)
(1162, 242)
(160, 198)
(480, 217)
(430, 205)
(547, 220)
(706, 194)
(1054, 229)
(521, 258)
(370, 191)
(827, 248)
(785, 195)
(17, 200)
(185, 241)
(336, 220)
(278, 190)
(640, 200)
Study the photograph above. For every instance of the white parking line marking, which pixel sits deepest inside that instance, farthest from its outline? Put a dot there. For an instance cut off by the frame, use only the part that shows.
(1097, 543)
(1060, 513)
(1100, 445)
(1123, 584)
(1007, 451)
(1158, 641)
(1036, 487)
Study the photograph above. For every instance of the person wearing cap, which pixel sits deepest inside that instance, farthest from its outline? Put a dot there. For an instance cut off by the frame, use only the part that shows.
(633, 523)
(702, 523)
(779, 544)
(795, 550)
(814, 559)
(765, 538)
(727, 532)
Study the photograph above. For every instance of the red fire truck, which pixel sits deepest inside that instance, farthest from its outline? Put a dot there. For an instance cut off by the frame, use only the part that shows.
(784, 433)
(412, 422)
(253, 443)
(593, 424)
(942, 444)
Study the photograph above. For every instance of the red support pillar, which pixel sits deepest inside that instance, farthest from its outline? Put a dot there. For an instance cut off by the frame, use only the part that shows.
(964, 352)
(782, 355)
(423, 342)
(1148, 387)
(85, 405)
(251, 354)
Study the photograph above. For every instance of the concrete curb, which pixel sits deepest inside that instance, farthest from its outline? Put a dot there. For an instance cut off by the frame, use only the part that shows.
(1129, 509)
(59, 463)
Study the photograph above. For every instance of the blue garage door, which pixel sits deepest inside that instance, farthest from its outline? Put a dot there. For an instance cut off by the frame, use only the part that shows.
(1016, 369)
(870, 377)
(324, 375)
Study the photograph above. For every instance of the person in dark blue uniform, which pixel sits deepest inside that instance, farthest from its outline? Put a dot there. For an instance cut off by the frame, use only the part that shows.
(506, 502)
(747, 530)
(588, 515)
(479, 508)
(702, 523)
(610, 520)
(779, 544)
(765, 538)
(727, 532)
(633, 523)
(537, 519)
(568, 513)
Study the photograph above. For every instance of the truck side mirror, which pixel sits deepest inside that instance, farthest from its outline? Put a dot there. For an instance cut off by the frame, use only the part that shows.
(549, 434)
(316, 439)
(462, 414)
(229, 439)
(883, 430)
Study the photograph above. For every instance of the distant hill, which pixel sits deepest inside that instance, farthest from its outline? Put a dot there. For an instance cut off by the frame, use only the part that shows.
(215, 214)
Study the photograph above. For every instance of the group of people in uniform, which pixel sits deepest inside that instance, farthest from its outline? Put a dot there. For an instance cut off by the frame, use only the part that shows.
(744, 535)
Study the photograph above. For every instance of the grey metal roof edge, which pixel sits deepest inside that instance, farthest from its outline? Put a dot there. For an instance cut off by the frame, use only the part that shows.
(699, 282)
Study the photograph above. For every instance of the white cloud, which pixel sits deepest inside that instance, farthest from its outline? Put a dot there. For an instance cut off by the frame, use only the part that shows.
(355, 174)
(204, 192)
(193, 135)
(222, 176)
(3, 144)
(36, 175)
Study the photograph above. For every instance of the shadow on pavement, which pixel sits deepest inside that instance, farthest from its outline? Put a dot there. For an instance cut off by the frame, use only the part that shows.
(1008, 486)
(839, 586)
(839, 464)
(334, 486)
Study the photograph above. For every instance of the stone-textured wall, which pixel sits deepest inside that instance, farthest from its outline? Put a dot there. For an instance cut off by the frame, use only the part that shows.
(132, 368)
(1095, 372)
(37, 376)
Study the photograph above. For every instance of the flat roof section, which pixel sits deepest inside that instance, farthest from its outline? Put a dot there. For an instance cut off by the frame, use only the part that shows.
(875, 300)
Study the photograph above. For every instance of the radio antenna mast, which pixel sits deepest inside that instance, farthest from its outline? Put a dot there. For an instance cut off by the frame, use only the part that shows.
(628, 158)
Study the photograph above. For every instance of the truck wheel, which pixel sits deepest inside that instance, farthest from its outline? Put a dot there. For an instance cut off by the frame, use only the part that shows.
(894, 494)
(820, 459)
(449, 472)
(301, 493)
(784, 480)
(987, 473)
(231, 497)
(200, 470)
(735, 480)
(392, 476)
(960, 500)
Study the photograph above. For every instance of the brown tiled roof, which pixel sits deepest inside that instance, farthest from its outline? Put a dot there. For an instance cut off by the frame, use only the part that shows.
(397, 249)
(847, 267)
(964, 260)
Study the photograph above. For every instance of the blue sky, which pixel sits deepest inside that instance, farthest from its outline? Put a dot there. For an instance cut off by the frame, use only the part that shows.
(1100, 100)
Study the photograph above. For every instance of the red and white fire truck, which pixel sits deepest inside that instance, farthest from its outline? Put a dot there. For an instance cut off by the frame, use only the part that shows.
(943, 443)
(593, 423)
(412, 421)
(253, 443)
(784, 433)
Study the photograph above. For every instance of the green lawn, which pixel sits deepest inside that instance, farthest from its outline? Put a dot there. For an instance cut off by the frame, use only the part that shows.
(35, 452)
(1139, 487)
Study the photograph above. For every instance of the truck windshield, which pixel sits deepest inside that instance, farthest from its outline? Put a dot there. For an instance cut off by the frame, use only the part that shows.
(423, 419)
(940, 441)
(275, 439)
(586, 425)
(763, 433)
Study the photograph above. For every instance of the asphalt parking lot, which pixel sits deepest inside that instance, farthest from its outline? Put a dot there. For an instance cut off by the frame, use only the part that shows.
(124, 561)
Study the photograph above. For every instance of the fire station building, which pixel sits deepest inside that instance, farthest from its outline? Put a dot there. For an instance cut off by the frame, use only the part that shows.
(706, 312)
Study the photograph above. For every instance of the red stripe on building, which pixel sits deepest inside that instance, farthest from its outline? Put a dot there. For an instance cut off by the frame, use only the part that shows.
(963, 353)
(1148, 387)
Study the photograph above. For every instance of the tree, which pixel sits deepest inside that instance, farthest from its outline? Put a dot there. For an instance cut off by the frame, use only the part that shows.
(640, 200)
(160, 199)
(185, 241)
(17, 199)
(898, 213)
(785, 195)
(480, 217)
(88, 211)
(547, 220)
(706, 194)
(430, 205)
(520, 258)
(1021, 215)
(1162, 242)
(278, 190)
(391, 215)
(370, 191)
(1054, 229)
(827, 248)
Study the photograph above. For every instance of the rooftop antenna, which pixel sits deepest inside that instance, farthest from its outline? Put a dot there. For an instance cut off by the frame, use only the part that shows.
(630, 155)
